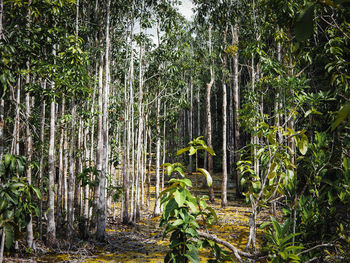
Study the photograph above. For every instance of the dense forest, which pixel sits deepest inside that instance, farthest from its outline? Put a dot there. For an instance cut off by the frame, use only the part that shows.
(117, 113)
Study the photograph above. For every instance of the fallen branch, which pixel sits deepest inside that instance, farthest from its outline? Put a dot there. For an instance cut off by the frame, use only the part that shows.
(317, 246)
(237, 252)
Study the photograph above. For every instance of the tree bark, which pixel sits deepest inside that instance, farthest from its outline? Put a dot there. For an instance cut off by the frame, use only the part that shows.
(236, 108)
(224, 129)
(41, 170)
(51, 227)
(71, 179)
(29, 154)
(61, 169)
(158, 145)
(208, 119)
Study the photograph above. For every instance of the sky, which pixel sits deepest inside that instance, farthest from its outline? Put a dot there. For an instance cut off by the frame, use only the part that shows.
(186, 9)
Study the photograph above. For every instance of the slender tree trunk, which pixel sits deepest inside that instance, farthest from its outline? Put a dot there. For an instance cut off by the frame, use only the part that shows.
(71, 179)
(51, 227)
(224, 130)
(190, 125)
(157, 204)
(209, 121)
(16, 126)
(236, 108)
(149, 168)
(2, 244)
(42, 138)
(61, 169)
(29, 141)
(99, 151)
(1, 17)
(29, 154)
(139, 139)
(2, 101)
(2, 125)
(101, 208)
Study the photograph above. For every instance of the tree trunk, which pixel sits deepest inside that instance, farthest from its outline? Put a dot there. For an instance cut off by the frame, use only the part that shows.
(29, 154)
(2, 244)
(157, 204)
(236, 108)
(208, 112)
(16, 126)
(101, 208)
(51, 227)
(61, 169)
(41, 170)
(71, 179)
(224, 129)
(190, 126)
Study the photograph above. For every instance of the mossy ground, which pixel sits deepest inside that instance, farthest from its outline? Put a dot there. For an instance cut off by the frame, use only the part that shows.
(143, 242)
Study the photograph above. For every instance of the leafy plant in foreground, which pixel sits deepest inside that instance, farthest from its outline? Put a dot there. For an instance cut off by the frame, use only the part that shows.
(182, 212)
(16, 197)
(280, 243)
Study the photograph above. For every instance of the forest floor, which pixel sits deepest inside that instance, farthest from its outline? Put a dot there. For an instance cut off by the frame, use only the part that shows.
(143, 241)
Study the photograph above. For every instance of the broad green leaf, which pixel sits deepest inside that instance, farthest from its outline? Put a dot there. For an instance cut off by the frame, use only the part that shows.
(346, 164)
(191, 231)
(180, 171)
(180, 197)
(169, 170)
(303, 144)
(212, 211)
(271, 138)
(342, 114)
(169, 207)
(207, 175)
(192, 253)
(7, 159)
(177, 222)
(192, 150)
(37, 191)
(181, 151)
(192, 204)
(209, 150)
(9, 236)
(2, 204)
(305, 25)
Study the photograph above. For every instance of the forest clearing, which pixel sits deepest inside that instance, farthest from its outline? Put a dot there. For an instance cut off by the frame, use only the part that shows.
(174, 131)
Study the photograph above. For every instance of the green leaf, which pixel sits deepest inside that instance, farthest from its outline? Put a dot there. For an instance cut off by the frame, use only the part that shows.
(9, 236)
(209, 150)
(169, 207)
(181, 151)
(37, 191)
(342, 114)
(169, 169)
(207, 175)
(177, 222)
(192, 253)
(303, 144)
(7, 159)
(180, 197)
(304, 25)
(192, 232)
(192, 150)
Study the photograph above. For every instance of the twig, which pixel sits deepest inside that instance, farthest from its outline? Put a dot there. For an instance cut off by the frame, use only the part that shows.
(237, 252)
(317, 246)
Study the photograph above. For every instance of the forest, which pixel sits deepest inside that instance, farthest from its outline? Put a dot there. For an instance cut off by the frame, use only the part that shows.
(130, 132)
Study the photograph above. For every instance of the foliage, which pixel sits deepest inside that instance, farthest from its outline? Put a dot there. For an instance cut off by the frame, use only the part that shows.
(182, 212)
(16, 197)
(279, 241)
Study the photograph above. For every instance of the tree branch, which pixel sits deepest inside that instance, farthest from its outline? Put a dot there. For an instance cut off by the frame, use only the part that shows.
(237, 252)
